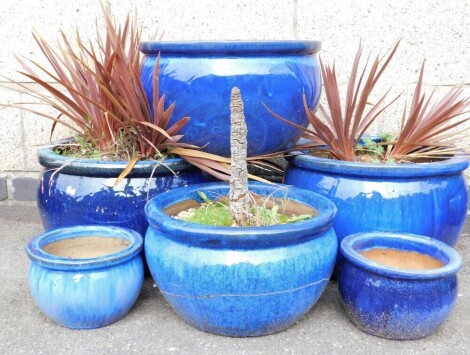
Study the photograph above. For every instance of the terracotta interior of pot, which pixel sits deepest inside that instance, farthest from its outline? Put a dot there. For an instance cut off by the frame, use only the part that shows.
(402, 259)
(287, 207)
(401, 253)
(85, 247)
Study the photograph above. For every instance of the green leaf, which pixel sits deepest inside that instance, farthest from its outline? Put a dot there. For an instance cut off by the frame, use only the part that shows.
(274, 211)
(204, 197)
(301, 217)
(386, 137)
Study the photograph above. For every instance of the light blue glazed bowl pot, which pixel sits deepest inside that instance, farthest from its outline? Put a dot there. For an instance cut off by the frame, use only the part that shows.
(397, 303)
(198, 77)
(240, 281)
(85, 293)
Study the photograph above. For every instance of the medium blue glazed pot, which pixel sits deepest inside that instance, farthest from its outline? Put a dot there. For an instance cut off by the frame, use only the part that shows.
(426, 199)
(240, 281)
(79, 191)
(85, 293)
(199, 76)
(397, 303)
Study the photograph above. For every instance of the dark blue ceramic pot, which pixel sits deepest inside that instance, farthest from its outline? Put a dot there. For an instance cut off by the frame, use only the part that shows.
(86, 293)
(426, 199)
(240, 281)
(79, 191)
(397, 303)
(199, 76)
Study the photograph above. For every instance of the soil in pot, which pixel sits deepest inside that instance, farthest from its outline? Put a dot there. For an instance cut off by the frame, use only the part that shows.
(85, 247)
(402, 259)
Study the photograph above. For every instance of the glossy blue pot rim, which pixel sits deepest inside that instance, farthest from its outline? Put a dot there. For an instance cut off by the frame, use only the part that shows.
(240, 237)
(107, 168)
(456, 164)
(349, 247)
(38, 255)
(230, 47)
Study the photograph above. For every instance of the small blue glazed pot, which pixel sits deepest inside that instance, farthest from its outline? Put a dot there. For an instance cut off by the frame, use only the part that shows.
(199, 76)
(426, 199)
(240, 281)
(75, 191)
(397, 303)
(85, 293)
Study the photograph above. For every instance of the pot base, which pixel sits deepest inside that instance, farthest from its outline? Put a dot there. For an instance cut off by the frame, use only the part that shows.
(247, 315)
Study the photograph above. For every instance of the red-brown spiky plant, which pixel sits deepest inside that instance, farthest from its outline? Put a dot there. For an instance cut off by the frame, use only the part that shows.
(426, 133)
(335, 129)
(101, 96)
(429, 132)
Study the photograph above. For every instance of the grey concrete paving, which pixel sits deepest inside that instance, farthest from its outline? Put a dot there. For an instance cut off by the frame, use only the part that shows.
(152, 327)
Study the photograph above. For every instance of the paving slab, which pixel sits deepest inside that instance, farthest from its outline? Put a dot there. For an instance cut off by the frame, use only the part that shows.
(152, 327)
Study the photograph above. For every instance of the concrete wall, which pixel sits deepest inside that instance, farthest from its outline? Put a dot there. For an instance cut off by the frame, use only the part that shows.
(438, 30)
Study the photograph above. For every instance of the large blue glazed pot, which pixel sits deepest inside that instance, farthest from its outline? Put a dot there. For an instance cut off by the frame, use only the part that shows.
(76, 191)
(397, 303)
(426, 199)
(199, 76)
(85, 293)
(240, 281)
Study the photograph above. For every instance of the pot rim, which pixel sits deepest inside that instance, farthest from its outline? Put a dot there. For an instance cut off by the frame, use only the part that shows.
(349, 246)
(231, 47)
(456, 164)
(240, 237)
(106, 168)
(36, 253)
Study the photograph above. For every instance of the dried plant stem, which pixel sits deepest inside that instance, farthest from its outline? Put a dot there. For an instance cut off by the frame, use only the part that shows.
(238, 196)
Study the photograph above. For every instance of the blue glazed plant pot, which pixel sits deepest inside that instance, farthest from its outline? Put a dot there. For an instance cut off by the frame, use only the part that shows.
(199, 76)
(397, 303)
(240, 281)
(75, 191)
(85, 293)
(426, 199)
